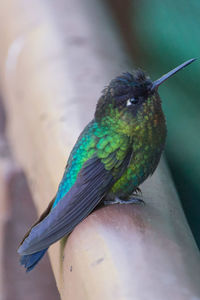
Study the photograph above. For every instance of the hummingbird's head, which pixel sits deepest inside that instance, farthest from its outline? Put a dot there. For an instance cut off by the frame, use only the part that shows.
(124, 93)
(123, 99)
(130, 97)
(129, 91)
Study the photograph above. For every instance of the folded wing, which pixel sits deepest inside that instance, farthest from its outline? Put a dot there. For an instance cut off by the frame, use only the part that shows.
(93, 181)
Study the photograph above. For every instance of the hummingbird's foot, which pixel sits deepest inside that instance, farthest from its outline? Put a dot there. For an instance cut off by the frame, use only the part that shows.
(137, 191)
(135, 200)
(131, 200)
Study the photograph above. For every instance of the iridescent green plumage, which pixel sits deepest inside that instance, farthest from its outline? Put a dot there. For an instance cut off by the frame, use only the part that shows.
(148, 143)
(117, 129)
(115, 153)
(111, 148)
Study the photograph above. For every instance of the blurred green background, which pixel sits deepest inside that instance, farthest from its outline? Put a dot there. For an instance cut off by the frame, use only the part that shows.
(159, 36)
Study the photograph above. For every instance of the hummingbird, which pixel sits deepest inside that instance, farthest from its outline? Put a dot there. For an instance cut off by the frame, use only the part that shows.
(113, 155)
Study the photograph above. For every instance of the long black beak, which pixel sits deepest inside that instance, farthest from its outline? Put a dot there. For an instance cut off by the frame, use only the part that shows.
(159, 81)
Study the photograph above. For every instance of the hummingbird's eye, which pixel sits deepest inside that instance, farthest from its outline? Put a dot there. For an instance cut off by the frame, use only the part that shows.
(131, 101)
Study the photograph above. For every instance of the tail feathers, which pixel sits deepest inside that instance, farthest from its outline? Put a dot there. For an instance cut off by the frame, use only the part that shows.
(30, 261)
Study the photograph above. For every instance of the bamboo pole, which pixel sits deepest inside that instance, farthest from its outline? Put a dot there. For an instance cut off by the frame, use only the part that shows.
(55, 57)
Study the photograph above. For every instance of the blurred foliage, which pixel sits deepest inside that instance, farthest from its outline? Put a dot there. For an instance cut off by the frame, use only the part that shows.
(167, 34)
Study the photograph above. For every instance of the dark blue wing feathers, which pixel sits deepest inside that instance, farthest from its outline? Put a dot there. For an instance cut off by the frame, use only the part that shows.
(29, 261)
(71, 209)
(93, 181)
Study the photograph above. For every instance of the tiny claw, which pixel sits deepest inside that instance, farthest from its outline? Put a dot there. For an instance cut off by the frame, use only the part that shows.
(136, 200)
(132, 200)
(137, 191)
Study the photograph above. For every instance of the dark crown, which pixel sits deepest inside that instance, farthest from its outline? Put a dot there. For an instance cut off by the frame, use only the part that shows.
(129, 85)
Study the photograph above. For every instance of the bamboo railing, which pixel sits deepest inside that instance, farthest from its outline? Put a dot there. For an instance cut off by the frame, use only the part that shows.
(55, 58)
